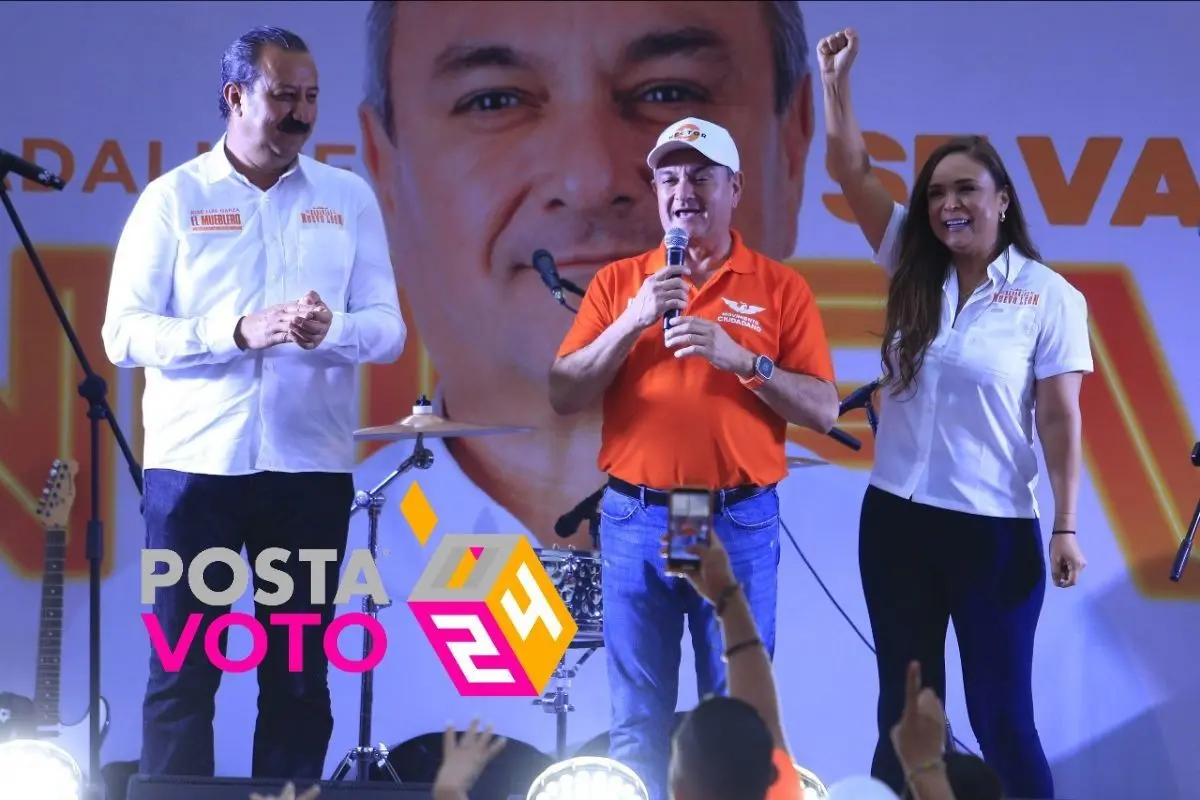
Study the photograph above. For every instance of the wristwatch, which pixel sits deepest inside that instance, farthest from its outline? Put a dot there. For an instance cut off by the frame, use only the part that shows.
(764, 368)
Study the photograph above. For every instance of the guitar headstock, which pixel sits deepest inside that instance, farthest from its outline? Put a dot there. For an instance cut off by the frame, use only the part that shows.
(58, 495)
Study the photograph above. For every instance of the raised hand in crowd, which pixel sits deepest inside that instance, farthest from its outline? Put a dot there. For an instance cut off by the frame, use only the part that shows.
(920, 740)
(463, 760)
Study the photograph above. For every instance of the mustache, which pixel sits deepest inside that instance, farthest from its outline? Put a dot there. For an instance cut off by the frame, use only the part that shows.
(293, 125)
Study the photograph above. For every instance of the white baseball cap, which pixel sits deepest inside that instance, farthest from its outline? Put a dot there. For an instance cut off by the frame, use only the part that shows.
(713, 142)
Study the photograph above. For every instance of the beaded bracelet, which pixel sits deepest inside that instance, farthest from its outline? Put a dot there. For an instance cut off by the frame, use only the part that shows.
(737, 648)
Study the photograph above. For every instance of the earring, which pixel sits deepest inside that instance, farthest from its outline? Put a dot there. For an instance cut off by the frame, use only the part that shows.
(1002, 216)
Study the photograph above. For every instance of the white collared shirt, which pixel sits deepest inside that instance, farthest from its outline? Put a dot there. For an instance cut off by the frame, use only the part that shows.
(961, 438)
(204, 247)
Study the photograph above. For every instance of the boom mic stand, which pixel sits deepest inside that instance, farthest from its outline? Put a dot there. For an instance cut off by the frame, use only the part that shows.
(587, 509)
(94, 390)
(1185, 547)
(570, 287)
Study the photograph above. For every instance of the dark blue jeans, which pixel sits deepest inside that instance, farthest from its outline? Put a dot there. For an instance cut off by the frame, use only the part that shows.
(644, 611)
(922, 567)
(190, 513)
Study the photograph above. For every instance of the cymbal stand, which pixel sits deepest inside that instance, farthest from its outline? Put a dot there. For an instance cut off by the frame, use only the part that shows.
(558, 702)
(365, 754)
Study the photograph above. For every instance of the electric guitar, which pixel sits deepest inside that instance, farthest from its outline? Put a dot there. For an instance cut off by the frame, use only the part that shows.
(20, 717)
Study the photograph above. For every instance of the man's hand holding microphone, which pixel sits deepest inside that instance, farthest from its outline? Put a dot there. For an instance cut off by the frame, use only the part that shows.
(666, 291)
(663, 291)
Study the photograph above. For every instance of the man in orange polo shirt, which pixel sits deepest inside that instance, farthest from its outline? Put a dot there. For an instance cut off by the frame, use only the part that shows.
(704, 402)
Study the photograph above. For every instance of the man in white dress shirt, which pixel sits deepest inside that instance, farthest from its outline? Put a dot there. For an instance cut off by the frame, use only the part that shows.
(250, 283)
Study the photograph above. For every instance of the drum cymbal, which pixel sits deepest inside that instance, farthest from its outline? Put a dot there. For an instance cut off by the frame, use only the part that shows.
(430, 426)
(795, 462)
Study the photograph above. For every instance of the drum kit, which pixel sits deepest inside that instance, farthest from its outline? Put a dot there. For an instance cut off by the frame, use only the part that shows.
(576, 574)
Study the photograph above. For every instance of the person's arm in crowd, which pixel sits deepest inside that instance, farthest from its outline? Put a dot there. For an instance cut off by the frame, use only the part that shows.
(464, 759)
(919, 739)
(748, 669)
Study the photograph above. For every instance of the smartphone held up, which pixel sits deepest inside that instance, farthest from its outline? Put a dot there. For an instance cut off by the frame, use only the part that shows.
(689, 523)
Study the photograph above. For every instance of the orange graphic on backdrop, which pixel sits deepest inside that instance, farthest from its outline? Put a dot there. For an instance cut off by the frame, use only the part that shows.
(1136, 433)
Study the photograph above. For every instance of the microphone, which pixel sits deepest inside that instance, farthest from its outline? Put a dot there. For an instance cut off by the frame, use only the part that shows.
(543, 262)
(859, 398)
(676, 241)
(587, 509)
(10, 162)
(841, 437)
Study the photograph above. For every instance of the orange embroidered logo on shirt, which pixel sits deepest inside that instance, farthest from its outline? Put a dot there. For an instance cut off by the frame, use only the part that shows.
(320, 215)
(216, 219)
(1017, 297)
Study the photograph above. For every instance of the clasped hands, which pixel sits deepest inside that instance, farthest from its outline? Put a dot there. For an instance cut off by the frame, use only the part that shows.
(664, 291)
(304, 322)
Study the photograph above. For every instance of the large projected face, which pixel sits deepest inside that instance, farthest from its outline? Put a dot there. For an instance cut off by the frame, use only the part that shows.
(520, 126)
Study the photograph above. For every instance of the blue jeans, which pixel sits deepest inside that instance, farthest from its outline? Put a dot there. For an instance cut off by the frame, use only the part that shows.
(188, 513)
(644, 610)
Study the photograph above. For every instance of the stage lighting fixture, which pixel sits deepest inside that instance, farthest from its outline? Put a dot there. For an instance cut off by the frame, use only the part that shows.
(587, 778)
(810, 784)
(36, 770)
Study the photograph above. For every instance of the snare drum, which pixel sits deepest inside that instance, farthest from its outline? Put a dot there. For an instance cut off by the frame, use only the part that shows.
(576, 575)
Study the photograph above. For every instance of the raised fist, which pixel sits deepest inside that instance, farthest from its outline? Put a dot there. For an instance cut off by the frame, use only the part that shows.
(836, 53)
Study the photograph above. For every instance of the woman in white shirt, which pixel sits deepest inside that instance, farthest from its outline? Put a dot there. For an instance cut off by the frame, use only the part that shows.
(982, 341)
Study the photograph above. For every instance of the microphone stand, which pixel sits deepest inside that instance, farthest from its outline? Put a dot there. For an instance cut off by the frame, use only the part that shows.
(94, 390)
(1185, 547)
(570, 287)
(588, 508)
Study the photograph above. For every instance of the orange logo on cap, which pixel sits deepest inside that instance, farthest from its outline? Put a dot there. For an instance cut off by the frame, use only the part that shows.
(687, 133)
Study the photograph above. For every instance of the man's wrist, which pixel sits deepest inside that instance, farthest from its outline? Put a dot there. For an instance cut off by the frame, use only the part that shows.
(628, 324)
(238, 338)
(749, 366)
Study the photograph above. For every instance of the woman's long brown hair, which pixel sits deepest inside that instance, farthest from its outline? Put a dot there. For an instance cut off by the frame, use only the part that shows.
(915, 294)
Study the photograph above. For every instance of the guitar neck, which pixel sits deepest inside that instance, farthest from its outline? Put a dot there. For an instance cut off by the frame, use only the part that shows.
(45, 695)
